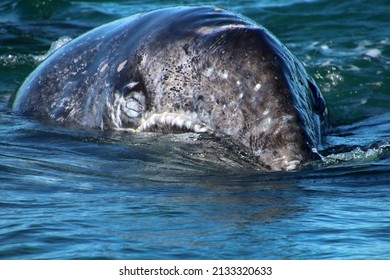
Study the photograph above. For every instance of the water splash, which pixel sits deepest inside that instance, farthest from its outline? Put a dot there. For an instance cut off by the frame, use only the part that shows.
(358, 156)
(9, 60)
(54, 46)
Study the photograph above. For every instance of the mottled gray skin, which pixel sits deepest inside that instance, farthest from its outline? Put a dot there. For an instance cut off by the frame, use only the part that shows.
(199, 69)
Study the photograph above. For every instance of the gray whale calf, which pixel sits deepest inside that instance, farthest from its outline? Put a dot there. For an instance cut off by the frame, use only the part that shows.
(184, 69)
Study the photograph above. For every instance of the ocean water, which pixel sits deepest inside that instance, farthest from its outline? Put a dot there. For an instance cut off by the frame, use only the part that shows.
(68, 193)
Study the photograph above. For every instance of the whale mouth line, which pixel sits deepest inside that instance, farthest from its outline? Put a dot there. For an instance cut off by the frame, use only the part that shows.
(171, 122)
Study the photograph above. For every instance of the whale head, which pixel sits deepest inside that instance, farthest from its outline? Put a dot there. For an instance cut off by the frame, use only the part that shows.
(186, 69)
(240, 82)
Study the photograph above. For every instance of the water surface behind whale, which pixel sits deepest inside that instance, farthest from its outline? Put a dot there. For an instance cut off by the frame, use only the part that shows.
(70, 193)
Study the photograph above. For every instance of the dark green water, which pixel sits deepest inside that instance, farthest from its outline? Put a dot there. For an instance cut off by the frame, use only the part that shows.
(69, 194)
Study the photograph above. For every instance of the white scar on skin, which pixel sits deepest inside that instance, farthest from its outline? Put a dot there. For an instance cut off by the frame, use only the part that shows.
(257, 87)
(104, 67)
(121, 66)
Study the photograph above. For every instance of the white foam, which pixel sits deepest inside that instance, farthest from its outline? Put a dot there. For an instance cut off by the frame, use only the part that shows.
(373, 53)
(324, 47)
